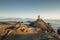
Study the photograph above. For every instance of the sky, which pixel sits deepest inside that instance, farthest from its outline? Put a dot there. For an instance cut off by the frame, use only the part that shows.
(47, 9)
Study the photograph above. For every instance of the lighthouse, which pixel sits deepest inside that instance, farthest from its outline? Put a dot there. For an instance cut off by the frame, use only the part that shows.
(38, 18)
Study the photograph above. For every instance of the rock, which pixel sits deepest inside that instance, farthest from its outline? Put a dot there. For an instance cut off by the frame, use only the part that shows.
(22, 27)
(11, 22)
(41, 24)
(42, 31)
(58, 31)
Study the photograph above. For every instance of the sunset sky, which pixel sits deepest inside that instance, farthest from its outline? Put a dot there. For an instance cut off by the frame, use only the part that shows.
(47, 9)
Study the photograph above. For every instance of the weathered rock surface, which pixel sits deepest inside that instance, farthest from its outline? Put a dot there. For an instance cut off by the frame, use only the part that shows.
(43, 25)
(20, 31)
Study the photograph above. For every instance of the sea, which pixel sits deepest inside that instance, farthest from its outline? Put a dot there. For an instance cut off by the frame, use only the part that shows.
(55, 24)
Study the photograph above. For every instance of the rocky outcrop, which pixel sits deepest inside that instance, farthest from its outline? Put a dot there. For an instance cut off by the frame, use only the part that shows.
(42, 31)
(43, 25)
(39, 36)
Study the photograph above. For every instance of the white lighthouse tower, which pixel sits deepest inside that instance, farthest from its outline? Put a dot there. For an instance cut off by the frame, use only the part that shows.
(38, 18)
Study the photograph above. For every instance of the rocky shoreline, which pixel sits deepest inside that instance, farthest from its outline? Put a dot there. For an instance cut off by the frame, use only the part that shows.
(36, 30)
